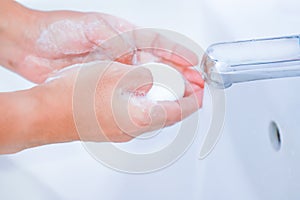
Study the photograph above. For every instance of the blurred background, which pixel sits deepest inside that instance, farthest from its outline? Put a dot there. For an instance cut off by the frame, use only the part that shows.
(244, 164)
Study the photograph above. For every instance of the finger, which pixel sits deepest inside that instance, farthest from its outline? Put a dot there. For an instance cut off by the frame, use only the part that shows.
(131, 107)
(137, 58)
(101, 27)
(109, 34)
(165, 48)
(123, 46)
(190, 88)
(170, 112)
(138, 80)
(193, 76)
(52, 67)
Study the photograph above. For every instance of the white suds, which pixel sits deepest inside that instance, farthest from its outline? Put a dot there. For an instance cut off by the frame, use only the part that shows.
(60, 73)
(61, 37)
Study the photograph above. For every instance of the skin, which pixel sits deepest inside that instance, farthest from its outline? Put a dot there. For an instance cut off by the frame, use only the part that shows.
(37, 46)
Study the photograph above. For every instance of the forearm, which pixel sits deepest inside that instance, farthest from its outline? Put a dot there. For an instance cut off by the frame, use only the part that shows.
(14, 21)
(15, 114)
(28, 120)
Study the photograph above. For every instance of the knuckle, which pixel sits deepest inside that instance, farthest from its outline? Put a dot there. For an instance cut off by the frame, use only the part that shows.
(121, 138)
(143, 119)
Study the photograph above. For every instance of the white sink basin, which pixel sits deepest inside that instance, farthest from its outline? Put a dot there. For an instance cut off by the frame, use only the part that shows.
(249, 161)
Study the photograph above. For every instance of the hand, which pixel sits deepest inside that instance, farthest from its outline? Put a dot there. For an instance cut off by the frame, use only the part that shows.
(36, 44)
(106, 100)
(40, 43)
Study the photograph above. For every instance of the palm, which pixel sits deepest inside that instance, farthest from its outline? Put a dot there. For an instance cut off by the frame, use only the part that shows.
(65, 38)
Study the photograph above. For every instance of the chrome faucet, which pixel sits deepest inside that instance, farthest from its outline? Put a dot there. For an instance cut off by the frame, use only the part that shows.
(227, 63)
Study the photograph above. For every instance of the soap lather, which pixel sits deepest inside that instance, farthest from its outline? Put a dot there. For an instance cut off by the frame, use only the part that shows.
(168, 83)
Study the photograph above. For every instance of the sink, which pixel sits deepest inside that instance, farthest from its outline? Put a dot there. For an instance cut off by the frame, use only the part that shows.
(257, 155)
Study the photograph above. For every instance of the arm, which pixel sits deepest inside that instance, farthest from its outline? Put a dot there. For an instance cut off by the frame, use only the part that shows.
(18, 109)
(62, 110)
(46, 114)
(12, 121)
(14, 21)
(29, 120)
(17, 113)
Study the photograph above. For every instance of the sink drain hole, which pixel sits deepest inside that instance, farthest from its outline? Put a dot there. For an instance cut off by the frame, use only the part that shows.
(275, 136)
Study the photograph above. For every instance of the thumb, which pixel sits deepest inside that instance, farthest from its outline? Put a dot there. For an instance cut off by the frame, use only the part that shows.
(137, 80)
(130, 111)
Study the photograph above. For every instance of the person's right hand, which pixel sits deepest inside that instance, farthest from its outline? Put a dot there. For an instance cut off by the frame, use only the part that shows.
(106, 101)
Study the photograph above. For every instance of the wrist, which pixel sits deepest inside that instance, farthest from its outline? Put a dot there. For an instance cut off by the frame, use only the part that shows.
(33, 119)
(18, 110)
(16, 23)
(51, 120)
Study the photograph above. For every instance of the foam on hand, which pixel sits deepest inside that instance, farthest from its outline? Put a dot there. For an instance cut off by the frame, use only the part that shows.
(168, 83)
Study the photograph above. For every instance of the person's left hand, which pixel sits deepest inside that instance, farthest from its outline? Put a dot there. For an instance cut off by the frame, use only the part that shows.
(49, 41)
